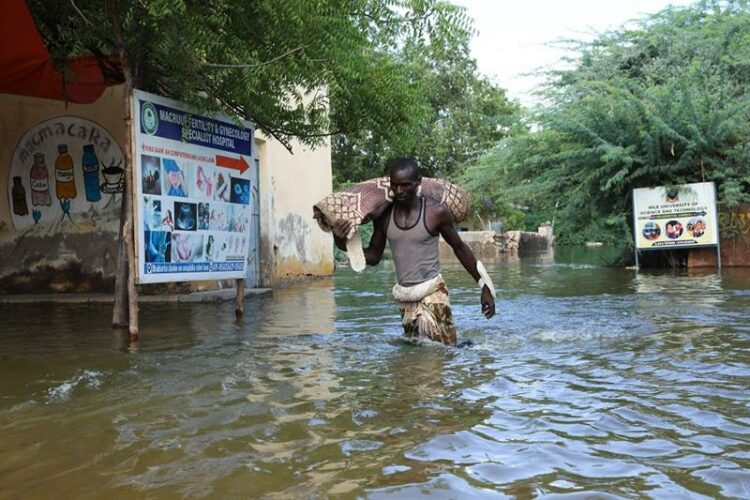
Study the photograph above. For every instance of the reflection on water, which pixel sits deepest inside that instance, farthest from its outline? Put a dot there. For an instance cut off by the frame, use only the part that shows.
(591, 382)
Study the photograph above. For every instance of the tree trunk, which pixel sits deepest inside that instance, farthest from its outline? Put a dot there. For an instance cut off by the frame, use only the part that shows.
(120, 309)
(125, 294)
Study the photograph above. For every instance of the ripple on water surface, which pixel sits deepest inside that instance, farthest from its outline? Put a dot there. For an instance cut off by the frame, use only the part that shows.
(590, 382)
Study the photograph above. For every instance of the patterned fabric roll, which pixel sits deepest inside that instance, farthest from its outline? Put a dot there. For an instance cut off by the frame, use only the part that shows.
(360, 203)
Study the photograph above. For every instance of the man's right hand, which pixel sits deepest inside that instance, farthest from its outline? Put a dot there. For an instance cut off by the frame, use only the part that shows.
(341, 228)
(488, 303)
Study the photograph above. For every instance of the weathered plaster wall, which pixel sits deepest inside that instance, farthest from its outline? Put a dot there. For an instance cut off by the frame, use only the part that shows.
(489, 244)
(42, 239)
(734, 226)
(484, 245)
(292, 244)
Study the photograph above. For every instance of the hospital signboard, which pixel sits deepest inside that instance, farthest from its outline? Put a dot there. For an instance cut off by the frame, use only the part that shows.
(192, 192)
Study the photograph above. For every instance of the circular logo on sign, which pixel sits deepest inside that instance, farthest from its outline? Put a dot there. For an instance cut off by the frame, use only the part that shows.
(149, 118)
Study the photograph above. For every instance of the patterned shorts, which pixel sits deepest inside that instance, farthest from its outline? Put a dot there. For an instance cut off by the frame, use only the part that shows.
(430, 318)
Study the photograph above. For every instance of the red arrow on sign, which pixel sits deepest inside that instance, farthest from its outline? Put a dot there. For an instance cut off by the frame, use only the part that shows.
(234, 163)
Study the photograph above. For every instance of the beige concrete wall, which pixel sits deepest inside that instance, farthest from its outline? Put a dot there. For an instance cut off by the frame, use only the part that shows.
(55, 251)
(292, 245)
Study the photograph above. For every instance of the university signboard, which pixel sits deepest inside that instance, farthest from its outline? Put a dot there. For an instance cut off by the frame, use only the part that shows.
(192, 192)
(669, 217)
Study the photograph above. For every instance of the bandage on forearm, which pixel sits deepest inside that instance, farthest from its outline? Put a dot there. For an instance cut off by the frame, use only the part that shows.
(485, 280)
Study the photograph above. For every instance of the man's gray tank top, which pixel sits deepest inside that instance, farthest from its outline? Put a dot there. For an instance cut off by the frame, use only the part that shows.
(414, 249)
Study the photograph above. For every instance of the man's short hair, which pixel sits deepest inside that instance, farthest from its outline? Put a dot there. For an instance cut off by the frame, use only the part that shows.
(405, 164)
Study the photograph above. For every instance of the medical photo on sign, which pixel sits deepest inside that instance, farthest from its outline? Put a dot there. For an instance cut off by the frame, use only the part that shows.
(651, 231)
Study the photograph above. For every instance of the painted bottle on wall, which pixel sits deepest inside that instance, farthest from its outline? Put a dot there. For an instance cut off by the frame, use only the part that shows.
(65, 183)
(19, 198)
(90, 165)
(40, 182)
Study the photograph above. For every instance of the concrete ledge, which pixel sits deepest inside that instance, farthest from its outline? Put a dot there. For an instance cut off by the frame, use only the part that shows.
(225, 295)
(488, 244)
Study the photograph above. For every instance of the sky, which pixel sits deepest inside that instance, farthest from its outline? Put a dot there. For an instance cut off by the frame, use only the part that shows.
(514, 35)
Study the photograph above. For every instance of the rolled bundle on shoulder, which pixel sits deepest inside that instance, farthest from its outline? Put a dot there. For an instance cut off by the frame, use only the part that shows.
(360, 203)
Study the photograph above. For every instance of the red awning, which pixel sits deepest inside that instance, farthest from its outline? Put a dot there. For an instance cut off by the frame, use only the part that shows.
(26, 68)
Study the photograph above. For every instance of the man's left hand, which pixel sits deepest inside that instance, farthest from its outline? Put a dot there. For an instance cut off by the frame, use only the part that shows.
(488, 303)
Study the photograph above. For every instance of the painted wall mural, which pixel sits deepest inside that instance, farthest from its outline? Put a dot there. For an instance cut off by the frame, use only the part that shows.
(65, 171)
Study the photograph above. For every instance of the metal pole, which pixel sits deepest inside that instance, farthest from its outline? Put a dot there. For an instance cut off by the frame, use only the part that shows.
(554, 215)
(552, 229)
(635, 230)
(718, 255)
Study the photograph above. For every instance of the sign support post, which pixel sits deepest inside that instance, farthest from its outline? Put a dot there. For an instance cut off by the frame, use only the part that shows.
(718, 244)
(129, 229)
(239, 302)
(635, 232)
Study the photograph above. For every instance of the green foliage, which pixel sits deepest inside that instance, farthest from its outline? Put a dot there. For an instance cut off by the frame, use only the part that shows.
(662, 103)
(455, 113)
(483, 180)
(297, 68)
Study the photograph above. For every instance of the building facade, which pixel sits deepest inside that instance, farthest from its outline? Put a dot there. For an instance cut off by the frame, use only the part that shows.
(61, 169)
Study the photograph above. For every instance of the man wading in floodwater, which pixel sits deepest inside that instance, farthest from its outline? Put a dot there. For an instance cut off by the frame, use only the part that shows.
(413, 226)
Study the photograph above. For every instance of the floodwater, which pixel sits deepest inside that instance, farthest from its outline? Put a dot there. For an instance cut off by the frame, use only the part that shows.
(591, 382)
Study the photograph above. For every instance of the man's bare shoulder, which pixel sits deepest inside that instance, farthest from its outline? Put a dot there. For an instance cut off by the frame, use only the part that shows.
(438, 210)
(382, 213)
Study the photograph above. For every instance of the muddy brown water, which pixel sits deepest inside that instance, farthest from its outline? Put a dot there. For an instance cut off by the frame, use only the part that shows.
(590, 382)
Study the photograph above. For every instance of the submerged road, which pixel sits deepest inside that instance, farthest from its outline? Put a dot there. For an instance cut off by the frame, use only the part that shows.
(590, 381)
